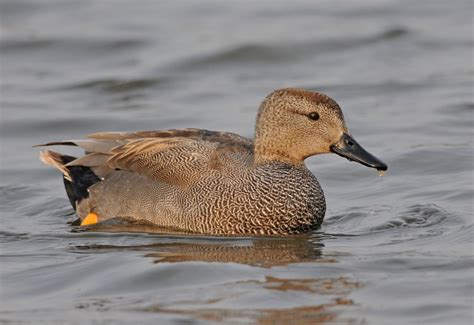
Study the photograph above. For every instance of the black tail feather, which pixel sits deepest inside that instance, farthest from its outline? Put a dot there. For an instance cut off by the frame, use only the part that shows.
(82, 177)
(77, 179)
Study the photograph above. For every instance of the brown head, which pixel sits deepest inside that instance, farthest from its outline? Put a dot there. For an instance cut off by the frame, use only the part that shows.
(294, 124)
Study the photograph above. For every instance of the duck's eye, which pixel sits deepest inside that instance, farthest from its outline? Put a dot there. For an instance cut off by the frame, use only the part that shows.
(313, 116)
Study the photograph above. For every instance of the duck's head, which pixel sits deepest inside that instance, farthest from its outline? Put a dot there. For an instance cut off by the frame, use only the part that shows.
(294, 124)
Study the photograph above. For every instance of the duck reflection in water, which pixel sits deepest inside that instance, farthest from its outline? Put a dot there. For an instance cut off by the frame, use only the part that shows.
(266, 253)
(326, 296)
(258, 251)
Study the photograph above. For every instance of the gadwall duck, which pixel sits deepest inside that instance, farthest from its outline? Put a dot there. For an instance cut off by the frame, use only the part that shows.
(208, 182)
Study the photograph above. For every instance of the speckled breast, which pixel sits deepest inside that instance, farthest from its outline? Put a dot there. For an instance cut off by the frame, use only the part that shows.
(269, 199)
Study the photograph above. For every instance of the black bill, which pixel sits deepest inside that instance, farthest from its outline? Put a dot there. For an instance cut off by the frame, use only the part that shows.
(348, 148)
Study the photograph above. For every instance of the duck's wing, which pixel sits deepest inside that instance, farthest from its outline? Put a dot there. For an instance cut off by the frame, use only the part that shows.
(190, 133)
(177, 157)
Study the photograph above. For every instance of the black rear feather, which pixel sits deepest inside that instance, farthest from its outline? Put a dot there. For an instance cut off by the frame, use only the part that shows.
(82, 177)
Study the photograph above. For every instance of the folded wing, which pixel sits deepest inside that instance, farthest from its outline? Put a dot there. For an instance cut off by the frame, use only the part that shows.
(177, 157)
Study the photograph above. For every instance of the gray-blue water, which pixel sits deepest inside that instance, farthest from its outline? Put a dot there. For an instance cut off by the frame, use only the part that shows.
(392, 250)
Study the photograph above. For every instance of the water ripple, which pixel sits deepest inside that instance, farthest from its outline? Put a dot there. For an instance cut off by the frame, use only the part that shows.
(361, 222)
(416, 216)
(283, 52)
(119, 85)
(70, 45)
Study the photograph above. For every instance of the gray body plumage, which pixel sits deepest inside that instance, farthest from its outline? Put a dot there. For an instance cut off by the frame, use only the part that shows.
(272, 198)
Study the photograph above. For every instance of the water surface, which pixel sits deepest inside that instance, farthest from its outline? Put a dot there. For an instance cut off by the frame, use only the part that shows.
(392, 250)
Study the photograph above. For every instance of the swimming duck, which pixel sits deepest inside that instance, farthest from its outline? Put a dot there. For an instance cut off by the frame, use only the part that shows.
(208, 182)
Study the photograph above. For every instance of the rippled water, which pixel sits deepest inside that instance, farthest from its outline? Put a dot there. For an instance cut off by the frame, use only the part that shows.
(393, 250)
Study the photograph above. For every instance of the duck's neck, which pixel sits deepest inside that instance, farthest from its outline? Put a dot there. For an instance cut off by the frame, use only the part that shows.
(272, 143)
(265, 152)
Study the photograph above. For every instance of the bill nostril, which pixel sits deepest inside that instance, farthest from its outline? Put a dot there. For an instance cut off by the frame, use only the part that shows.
(349, 143)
